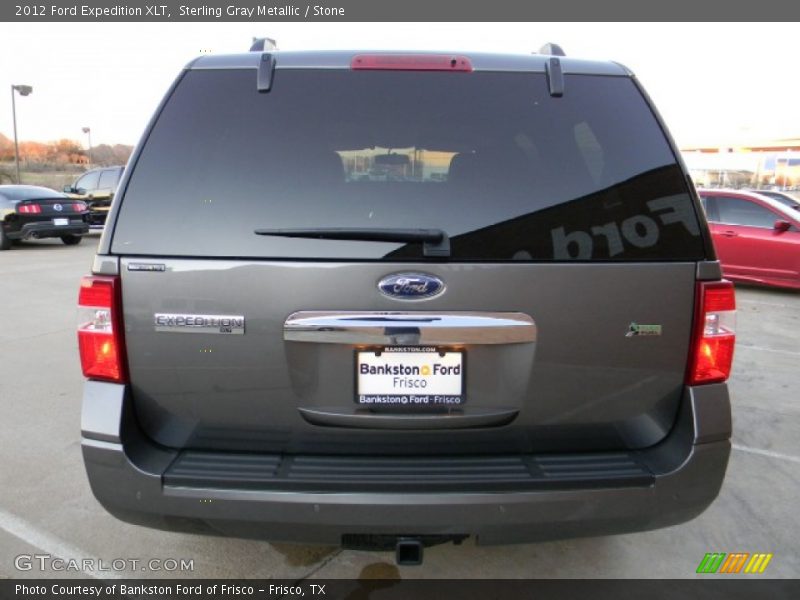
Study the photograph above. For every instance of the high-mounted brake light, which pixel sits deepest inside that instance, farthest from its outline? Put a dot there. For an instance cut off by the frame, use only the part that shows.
(99, 333)
(29, 209)
(714, 333)
(411, 62)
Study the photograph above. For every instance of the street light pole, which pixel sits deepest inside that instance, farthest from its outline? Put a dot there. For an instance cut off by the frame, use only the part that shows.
(88, 132)
(23, 90)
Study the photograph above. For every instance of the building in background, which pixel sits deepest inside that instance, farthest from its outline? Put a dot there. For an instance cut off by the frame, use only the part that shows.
(759, 164)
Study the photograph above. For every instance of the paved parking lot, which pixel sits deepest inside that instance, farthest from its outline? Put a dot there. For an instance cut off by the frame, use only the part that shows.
(46, 505)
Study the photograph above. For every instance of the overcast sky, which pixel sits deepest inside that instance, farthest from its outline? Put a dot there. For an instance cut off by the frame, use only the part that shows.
(713, 83)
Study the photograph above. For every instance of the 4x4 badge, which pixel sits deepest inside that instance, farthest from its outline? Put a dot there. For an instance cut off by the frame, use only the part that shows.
(635, 329)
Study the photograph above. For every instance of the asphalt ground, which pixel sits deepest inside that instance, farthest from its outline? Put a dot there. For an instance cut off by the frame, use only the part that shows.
(46, 506)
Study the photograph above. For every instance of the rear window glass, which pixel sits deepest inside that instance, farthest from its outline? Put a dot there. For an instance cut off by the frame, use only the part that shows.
(508, 172)
(23, 192)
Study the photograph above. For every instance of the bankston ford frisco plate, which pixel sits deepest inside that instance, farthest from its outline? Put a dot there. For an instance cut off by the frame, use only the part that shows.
(412, 376)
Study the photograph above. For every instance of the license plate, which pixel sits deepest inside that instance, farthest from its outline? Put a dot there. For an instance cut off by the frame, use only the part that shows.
(60, 222)
(413, 377)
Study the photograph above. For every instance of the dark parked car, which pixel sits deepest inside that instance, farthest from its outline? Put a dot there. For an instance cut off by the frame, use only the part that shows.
(518, 330)
(96, 188)
(29, 212)
(757, 238)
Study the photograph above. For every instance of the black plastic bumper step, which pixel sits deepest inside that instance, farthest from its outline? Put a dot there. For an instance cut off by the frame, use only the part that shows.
(423, 474)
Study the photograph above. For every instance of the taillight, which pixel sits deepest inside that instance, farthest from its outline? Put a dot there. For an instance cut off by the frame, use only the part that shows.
(100, 338)
(79, 206)
(411, 62)
(29, 209)
(714, 333)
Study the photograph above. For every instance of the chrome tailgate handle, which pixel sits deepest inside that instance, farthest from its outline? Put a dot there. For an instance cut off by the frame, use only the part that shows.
(348, 417)
(409, 328)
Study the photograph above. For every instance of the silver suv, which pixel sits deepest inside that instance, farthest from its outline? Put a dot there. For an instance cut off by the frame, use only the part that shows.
(399, 299)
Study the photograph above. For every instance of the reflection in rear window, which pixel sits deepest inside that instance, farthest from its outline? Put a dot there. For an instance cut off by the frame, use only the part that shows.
(421, 165)
(506, 170)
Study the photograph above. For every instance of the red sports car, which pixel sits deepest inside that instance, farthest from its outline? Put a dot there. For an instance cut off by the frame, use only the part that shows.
(757, 238)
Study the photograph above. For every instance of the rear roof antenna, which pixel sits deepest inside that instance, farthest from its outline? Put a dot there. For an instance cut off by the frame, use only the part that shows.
(264, 44)
(552, 50)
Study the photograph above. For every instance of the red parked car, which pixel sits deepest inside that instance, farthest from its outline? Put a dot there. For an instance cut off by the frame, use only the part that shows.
(757, 238)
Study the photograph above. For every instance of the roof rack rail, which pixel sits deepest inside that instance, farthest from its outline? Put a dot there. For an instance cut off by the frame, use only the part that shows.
(552, 49)
(264, 44)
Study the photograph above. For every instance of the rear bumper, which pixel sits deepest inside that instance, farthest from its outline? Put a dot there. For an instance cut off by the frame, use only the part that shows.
(145, 484)
(46, 229)
(97, 215)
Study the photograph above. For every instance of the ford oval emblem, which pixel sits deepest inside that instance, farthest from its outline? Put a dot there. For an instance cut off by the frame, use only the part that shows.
(411, 286)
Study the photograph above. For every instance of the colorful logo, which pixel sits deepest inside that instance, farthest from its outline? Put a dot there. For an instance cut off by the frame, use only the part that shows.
(635, 329)
(736, 562)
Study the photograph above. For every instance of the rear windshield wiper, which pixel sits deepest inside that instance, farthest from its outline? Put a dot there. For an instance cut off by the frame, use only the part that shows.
(435, 242)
